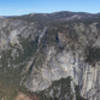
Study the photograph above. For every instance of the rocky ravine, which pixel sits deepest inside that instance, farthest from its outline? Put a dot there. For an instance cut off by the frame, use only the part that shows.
(50, 57)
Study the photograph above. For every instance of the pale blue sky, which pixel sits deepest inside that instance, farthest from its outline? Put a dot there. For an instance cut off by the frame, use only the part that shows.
(19, 7)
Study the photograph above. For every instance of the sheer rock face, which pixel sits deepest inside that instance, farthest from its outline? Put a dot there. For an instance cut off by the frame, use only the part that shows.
(49, 54)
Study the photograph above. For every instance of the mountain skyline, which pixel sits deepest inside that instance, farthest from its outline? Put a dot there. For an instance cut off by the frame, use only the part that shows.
(20, 7)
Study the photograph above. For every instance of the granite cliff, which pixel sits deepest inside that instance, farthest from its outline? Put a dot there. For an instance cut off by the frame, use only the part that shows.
(50, 56)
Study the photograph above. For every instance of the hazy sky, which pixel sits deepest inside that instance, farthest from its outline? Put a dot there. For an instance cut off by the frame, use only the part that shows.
(19, 7)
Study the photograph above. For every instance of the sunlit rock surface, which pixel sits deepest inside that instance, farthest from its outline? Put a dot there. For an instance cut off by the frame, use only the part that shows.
(50, 57)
